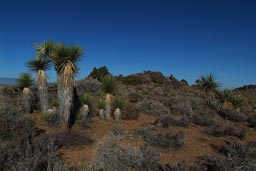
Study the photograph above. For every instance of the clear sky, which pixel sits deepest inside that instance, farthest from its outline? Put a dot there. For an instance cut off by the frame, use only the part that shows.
(186, 38)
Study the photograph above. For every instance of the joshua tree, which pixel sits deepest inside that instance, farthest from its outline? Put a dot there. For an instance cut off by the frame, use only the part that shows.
(208, 83)
(39, 66)
(25, 80)
(65, 59)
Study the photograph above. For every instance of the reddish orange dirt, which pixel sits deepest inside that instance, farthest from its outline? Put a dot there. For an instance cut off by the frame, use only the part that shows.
(196, 142)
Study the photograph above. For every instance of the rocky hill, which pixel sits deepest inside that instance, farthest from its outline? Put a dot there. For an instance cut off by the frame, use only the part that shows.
(166, 125)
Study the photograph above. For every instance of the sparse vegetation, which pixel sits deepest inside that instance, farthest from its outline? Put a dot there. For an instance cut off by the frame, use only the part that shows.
(174, 140)
(221, 130)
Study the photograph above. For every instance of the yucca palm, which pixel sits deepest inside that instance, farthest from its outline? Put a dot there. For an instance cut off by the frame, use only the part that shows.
(39, 66)
(25, 80)
(209, 82)
(237, 100)
(65, 59)
(224, 97)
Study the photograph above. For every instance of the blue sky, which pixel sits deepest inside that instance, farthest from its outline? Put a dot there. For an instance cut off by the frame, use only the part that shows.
(186, 38)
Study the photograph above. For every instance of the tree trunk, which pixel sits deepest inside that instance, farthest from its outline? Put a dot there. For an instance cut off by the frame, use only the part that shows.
(68, 106)
(102, 114)
(26, 100)
(60, 95)
(43, 97)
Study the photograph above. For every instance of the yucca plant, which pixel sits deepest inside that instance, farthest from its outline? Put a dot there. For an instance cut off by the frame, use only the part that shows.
(237, 101)
(109, 84)
(65, 59)
(209, 83)
(108, 87)
(85, 109)
(118, 104)
(224, 97)
(108, 107)
(25, 80)
(101, 106)
(40, 65)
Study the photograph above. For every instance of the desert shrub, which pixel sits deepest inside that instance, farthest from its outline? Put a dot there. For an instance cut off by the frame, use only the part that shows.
(27, 147)
(145, 130)
(181, 166)
(252, 121)
(72, 139)
(182, 107)
(111, 156)
(233, 156)
(168, 120)
(99, 73)
(130, 112)
(203, 120)
(152, 107)
(132, 80)
(219, 130)
(118, 102)
(157, 77)
(233, 115)
(169, 140)
(117, 131)
(109, 84)
(7, 120)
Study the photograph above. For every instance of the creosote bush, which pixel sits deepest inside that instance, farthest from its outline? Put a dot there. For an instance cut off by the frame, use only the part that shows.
(111, 156)
(203, 120)
(168, 120)
(132, 80)
(168, 140)
(220, 130)
(231, 156)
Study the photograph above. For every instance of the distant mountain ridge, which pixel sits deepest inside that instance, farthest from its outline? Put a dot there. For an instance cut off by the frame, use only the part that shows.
(8, 81)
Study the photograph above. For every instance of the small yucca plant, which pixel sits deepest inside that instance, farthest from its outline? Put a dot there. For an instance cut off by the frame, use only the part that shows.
(25, 80)
(109, 84)
(223, 97)
(85, 109)
(237, 101)
(86, 99)
(118, 104)
(101, 106)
